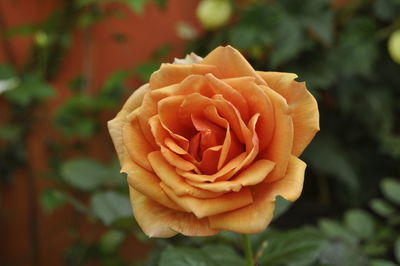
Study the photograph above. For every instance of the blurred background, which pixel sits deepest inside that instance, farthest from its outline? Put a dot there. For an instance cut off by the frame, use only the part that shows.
(66, 67)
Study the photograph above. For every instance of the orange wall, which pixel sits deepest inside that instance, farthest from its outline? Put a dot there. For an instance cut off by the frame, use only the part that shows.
(144, 34)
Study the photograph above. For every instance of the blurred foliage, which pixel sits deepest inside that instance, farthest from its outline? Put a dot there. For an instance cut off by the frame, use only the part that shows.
(349, 213)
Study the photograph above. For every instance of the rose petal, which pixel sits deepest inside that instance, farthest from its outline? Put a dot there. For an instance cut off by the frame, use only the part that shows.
(231, 63)
(280, 147)
(169, 176)
(143, 113)
(168, 111)
(230, 94)
(224, 173)
(136, 144)
(169, 74)
(148, 184)
(256, 217)
(158, 221)
(291, 185)
(206, 207)
(233, 166)
(232, 115)
(253, 175)
(258, 102)
(302, 107)
(209, 162)
(115, 125)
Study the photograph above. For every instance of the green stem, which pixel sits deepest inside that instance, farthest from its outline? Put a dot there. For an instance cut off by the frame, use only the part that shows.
(248, 252)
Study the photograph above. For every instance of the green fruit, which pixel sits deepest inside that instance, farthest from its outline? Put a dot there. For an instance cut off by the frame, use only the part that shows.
(214, 13)
(394, 46)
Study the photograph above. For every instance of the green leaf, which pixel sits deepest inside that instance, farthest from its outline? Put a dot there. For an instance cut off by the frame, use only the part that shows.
(381, 262)
(326, 155)
(360, 222)
(137, 5)
(184, 256)
(6, 72)
(322, 25)
(112, 90)
(382, 207)
(84, 173)
(29, 89)
(22, 30)
(145, 70)
(289, 42)
(110, 241)
(223, 255)
(76, 117)
(338, 252)
(335, 230)
(294, 248)
(110, 206)
(391, 189)
(10, 132)
(51, 199)
(397, 249)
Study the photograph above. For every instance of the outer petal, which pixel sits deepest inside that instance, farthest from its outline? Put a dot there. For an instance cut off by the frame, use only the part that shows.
(231, 63)
(169, 74)
(280, 147)
(148, 184)
(136, 144)
(256, 217)
(302, 107)
(206, 207)
(158, 221)
(115, 126)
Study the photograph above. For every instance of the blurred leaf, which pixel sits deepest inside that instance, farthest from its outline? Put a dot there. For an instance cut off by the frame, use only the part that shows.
(111, 92)
(137, 5)
(360, 222)
(6, 72)
(223, 255)
(281, 206)
(78, 84)
(357, 50)
(30, 88)
(391, 189)
(296, 247)
(110, 206)
(145, 70)
(381, 262)
(84, 173)
(22, 30)
(335, 230)
(76, 116)
(288, 43)
(326, 156)
(386, 9)
(322, 25)
(397, 249)
(51, 199)
(342, 253)
(161, 3)
(382, 207)
(110, 241)
(10, 132)
(185, 256)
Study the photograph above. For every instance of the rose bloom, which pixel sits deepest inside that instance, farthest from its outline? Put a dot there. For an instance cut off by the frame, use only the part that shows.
(208, 146)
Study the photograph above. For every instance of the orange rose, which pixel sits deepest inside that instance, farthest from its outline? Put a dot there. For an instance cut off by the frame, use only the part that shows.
(208, 146)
